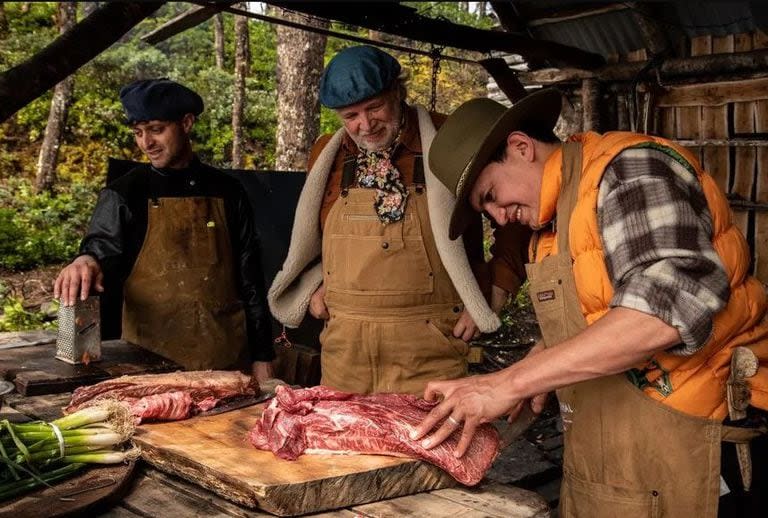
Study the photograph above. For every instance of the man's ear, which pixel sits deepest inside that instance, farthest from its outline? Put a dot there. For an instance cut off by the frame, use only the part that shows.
(186, 123)
(521, 145)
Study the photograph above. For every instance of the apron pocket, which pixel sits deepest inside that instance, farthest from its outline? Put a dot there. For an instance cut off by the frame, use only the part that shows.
(443, 328)
(582, 499)
(365, 264)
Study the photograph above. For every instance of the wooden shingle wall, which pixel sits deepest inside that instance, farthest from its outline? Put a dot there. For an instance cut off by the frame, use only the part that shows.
(725, 124)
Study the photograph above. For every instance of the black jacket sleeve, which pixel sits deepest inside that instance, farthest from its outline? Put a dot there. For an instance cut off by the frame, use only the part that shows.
(106, 238)
(250, 279)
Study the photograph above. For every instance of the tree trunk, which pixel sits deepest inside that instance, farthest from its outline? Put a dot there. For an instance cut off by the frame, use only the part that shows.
(481, 9)
(28, 80)
(57, 117)
(3, 22)
(464, 6)
(242, 62)
(89, 8)
(218, 40)
(299, 66)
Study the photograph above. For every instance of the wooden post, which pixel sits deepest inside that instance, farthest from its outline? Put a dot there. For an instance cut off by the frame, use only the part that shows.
(622, 113)
(590, 100)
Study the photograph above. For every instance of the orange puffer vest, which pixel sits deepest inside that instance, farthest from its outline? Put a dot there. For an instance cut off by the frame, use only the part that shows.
(698, 382)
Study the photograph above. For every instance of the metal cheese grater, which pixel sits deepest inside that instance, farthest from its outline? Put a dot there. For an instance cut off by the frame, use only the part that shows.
(79, 339)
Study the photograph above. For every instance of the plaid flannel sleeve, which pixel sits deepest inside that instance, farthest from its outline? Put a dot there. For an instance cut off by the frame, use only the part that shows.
(657, 239)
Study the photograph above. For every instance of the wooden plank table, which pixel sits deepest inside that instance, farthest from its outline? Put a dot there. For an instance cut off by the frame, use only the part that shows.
(155, 493)
(34, 369)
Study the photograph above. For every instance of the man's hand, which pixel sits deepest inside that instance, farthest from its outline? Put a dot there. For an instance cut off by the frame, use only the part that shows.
(465, 328)
(76, 278)
(468, 403)
(262, 371)
(317, 307)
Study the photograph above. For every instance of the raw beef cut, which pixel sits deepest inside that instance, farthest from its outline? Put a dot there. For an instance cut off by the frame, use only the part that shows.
(323, 420)
(168, 397)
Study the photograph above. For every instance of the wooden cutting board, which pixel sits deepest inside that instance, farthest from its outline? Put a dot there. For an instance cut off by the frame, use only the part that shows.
(84, 494)
(35, 370)
(214, 452)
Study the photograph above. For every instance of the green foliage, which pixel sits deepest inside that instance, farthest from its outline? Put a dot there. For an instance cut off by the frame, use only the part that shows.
(28, 32)
(453, 12)
(15, 318)
(39, 229)
(518, 303)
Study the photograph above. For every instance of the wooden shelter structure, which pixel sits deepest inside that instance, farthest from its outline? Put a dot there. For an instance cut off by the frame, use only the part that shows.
(694, 72)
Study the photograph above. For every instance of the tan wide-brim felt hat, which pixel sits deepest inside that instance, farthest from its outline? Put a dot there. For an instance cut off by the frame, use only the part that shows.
(465, 142)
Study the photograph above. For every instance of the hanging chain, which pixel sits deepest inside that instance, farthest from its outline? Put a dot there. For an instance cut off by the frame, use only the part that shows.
(436, 55)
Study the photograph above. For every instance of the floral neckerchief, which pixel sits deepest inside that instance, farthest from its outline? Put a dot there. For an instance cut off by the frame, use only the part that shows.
(376, 170)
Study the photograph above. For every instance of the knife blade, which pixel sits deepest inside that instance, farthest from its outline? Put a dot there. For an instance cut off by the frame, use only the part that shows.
(508, 432)
(235, 404)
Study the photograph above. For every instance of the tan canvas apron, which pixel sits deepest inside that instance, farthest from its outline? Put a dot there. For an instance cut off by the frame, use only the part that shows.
(180, 299)
(626, 455)
(392, 305)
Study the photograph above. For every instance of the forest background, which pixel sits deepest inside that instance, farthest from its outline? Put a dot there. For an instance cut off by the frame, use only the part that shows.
(253, 75)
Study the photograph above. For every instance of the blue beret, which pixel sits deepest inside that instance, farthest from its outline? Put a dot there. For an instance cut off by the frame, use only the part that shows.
(355, 74)
(158, 99)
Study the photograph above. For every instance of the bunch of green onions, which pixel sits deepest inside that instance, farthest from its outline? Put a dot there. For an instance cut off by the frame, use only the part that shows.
(40, 453)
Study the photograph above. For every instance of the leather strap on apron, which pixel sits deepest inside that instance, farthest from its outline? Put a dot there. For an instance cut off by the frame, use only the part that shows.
(625, 454)
(348, 174)
(180, 299)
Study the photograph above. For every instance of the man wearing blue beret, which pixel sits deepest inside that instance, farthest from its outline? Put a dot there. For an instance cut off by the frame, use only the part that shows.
(179, 235)
(370, 252)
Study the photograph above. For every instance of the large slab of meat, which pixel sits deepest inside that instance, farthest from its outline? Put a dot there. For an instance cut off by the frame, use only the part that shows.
(170, 396)
(323, 420)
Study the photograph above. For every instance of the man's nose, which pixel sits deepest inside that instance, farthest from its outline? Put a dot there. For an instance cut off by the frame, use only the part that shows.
(365, 122)
(147, 141)
(498, 214)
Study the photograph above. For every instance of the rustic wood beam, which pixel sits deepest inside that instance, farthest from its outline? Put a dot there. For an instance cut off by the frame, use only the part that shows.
(73, 49)
(656, 38)
(186, 20)
(404, 21)
(714, 93)
(698, 66)
(505, 78)
(741, 205)
(725, 142)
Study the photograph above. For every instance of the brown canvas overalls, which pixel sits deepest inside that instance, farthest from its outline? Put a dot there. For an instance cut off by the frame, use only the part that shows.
(626, 455)
(180, 299)
(392, 305)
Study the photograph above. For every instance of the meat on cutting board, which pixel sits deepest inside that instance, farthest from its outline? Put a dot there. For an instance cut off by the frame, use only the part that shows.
(323, 420)
(169, 396)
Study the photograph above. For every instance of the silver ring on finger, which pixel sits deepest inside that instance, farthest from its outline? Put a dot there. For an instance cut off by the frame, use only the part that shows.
(454, 422)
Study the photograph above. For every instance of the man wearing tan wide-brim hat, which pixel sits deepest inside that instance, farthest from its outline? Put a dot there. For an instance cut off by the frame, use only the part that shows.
(637, 276)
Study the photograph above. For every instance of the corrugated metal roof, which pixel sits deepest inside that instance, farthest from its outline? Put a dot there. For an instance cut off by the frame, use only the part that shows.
(605, 33)
(616, 31)
(715, 18)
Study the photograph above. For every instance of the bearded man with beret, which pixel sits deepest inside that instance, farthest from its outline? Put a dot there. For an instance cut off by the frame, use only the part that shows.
(179, 235)
(369, 251)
